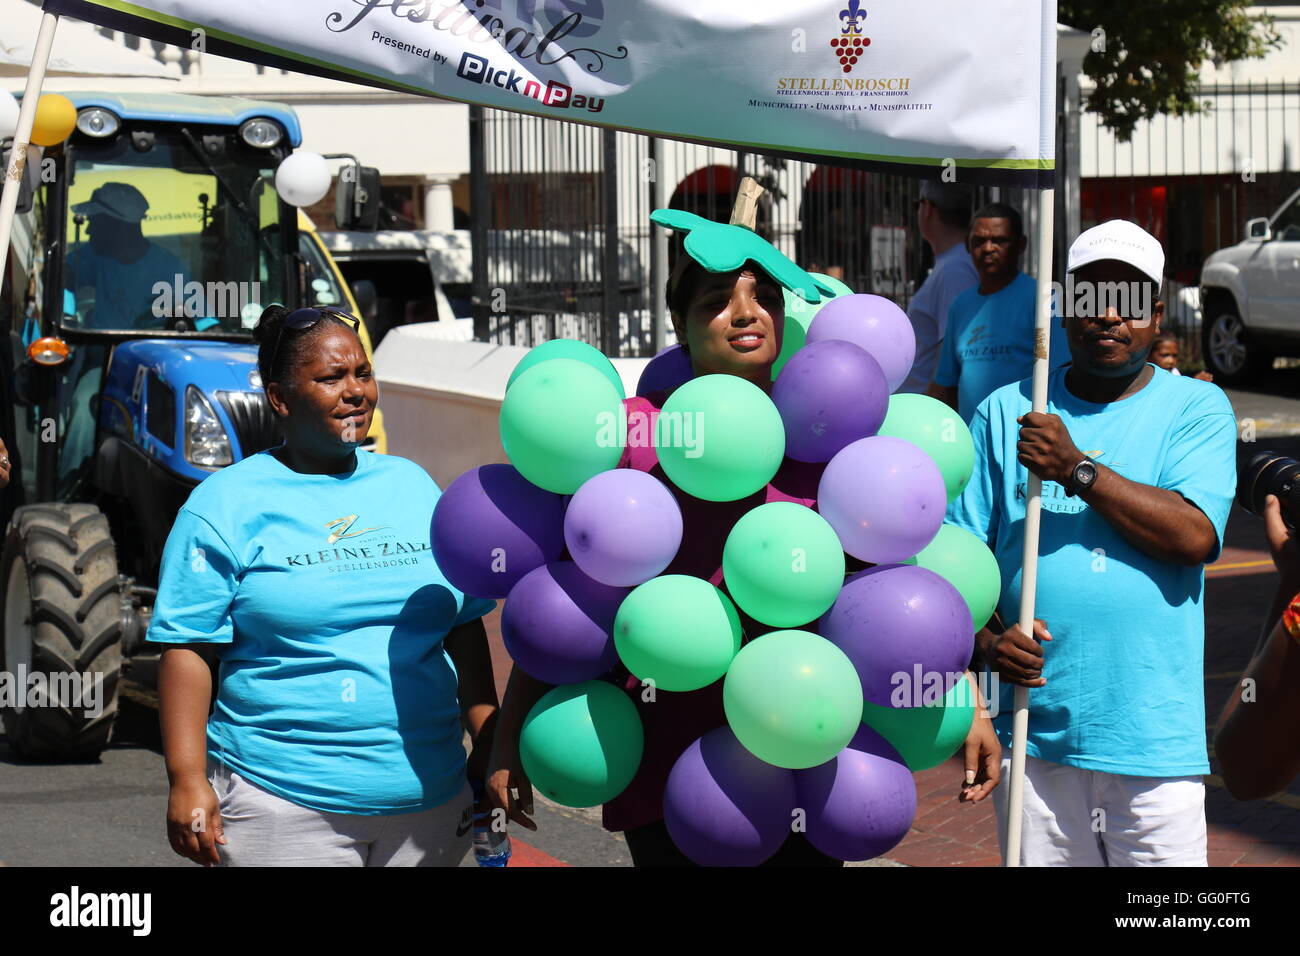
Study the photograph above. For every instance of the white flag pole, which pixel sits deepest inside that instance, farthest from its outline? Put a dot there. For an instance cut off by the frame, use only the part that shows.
(1033, 508)
(23, 134)
(1033, 504)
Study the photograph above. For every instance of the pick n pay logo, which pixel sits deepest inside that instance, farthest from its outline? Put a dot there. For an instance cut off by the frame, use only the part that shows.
(477, 69)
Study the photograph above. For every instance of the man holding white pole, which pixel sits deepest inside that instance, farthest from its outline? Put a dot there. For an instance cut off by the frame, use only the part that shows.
(1137, 471)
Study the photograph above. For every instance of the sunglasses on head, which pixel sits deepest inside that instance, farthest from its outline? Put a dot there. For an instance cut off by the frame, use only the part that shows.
(302, 319)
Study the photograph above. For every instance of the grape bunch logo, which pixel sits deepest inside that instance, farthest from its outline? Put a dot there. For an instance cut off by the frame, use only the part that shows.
(851, 43)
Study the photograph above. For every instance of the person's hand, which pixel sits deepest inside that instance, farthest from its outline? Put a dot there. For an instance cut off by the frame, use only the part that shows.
(509, 789)
(1283, 543)
(1205, 376)
(194, 825)
(983, 756)
(1016, 657)
(4, 464)
(1046, 448)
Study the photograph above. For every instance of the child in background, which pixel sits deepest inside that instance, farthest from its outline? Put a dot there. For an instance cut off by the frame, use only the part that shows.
(1164, 354)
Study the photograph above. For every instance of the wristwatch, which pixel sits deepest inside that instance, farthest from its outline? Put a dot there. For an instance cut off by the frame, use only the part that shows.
(1082, 477)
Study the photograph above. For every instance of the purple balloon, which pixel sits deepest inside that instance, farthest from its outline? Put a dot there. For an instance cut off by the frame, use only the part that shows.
(873, 323)
(903, 628)
(830, 394)
(860, 804)
(623, 527)
(670, 368)
(492, 526)
(884, 497)
(725, 807)
(558, 624)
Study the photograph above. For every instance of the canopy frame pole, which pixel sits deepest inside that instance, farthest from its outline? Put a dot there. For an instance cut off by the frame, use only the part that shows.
(1033, 509)
(23, 134)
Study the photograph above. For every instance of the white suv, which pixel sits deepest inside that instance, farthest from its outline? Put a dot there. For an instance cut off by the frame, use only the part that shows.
(1250, 298)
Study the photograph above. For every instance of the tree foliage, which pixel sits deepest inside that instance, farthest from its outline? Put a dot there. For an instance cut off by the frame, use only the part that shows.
(1145, 57)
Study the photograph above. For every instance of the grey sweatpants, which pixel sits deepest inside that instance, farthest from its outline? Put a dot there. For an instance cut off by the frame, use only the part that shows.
(262, 829)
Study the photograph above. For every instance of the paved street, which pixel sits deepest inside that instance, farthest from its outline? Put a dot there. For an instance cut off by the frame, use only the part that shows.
(111, 813)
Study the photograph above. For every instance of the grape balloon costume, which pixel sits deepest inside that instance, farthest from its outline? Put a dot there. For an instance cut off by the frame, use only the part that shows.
(754, 691)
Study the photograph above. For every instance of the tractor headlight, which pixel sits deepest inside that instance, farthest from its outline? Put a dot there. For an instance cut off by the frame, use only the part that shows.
(261, 133)
(206, 442)
(98, 122)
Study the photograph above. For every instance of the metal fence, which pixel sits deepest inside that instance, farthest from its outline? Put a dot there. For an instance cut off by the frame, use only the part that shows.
(570, 250)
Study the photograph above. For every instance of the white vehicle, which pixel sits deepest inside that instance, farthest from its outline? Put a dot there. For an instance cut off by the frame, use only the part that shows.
(1250, 298)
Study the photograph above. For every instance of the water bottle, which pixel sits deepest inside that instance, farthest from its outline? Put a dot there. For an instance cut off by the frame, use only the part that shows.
(491, 847)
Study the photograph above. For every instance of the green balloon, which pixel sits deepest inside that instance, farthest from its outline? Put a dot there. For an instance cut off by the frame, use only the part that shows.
(925, 736)
(783, 564)
(561, 423)
(678, 631)
(581, 743)
(570, 349)
(799, 315)
(938, 431)
(965, 562)
(719, 438)
(793, 699)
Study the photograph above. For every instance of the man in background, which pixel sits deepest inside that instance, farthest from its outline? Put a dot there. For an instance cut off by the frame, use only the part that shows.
(990, 328)
(943, 216)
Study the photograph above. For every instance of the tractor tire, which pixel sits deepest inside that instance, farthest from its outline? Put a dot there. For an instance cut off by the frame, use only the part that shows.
(62, 619)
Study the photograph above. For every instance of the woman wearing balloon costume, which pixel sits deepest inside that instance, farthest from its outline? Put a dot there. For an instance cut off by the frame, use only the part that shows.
(696, 700)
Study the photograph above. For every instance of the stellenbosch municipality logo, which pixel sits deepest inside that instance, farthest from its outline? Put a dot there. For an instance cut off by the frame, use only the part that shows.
(848, 46)
(851, 43)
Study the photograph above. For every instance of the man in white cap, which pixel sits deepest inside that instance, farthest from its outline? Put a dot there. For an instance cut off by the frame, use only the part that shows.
(1138, 470)
(943, 216)
(118, 267)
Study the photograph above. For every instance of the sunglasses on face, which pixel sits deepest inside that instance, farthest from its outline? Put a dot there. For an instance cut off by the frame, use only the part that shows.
(302, 319)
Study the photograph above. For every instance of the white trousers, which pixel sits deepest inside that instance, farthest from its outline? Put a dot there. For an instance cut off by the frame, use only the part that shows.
(262, 829)
(1076, 817)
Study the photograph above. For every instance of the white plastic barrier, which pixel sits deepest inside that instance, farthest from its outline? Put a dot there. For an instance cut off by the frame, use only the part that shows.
(441, 396)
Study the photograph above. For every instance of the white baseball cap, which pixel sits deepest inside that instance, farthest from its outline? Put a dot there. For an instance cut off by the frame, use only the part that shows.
(1122, 241)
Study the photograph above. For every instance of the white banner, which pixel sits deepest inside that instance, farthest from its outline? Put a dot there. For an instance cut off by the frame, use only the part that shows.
(936, 87)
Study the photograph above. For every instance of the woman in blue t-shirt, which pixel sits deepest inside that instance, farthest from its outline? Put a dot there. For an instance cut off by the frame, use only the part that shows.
(347, 662)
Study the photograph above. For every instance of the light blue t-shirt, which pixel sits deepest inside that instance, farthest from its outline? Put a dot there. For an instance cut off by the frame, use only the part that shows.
(953, 274)
(990, 342)
(336, 692)
(1124, 668)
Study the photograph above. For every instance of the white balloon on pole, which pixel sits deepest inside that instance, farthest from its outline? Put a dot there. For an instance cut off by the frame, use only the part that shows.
(8, 114)
(303, 179)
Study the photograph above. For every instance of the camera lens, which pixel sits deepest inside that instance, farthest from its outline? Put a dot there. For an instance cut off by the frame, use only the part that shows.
(1266, 474)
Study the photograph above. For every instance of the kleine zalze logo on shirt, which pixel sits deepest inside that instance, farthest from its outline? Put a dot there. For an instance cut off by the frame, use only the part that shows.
(346, 524)
(976, 334)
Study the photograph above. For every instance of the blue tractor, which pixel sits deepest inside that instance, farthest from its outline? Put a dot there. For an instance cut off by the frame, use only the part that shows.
(146, 247)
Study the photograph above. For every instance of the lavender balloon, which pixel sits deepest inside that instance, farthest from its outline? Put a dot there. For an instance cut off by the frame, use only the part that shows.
(670, 368)
(884, 497)
(725, 807)
(623, 527)
(904, 629)
(860, 804)
(558, 624)
(492, 526)
(830, 394)
(873, 323)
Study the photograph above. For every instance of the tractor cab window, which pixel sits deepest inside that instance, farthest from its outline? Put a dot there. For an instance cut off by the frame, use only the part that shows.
(173, 229)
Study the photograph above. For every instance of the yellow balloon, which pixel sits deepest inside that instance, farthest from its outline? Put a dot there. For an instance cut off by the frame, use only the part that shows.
(55, 120)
